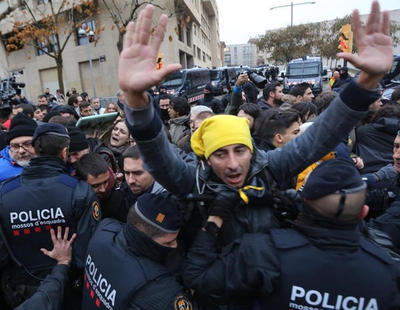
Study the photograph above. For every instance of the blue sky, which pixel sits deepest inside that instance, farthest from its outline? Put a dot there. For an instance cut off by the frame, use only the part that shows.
(239, 20)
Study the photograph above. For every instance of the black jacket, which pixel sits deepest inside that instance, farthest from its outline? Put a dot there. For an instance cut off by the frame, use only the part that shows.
(138, 274)
(51, 197)
(374, 143)
(213, 103)
(49, 295)
(266, 267)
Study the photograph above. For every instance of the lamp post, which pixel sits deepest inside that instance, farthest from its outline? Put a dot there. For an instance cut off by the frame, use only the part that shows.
(291, 8)
(90, 35)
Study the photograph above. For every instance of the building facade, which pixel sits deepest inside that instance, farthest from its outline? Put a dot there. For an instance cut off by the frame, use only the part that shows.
(241, 54)
(192, 39)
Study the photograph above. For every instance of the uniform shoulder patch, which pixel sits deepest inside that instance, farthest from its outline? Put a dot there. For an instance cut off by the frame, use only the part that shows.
(182, 303)
(96, 212)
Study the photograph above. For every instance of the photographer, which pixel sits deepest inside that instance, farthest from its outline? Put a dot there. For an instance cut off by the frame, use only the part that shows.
(210, 101)
(238, 96)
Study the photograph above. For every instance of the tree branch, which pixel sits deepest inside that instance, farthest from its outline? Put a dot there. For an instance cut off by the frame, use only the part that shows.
(138, 5)
(113, 16)
(41, 49)
(29, 10)
(117, 9)
(65, 42)
(61, 7)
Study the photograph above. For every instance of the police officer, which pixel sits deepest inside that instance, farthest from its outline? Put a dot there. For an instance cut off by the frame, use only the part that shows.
(307, 266)
(138, 277)
(49, 295)
(30, 204)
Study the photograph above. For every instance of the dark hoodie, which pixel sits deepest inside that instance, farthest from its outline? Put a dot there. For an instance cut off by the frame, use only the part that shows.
(374, 143)
(345, 78)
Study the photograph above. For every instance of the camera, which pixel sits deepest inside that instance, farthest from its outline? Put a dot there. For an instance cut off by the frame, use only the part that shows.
(9, 88)
(259, 80)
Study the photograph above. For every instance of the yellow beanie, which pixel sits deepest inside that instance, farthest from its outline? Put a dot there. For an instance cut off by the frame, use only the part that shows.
(219, 131)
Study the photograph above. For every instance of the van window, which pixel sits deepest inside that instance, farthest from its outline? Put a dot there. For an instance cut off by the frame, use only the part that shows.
(215, 74)
(173, 80)
(302, 69)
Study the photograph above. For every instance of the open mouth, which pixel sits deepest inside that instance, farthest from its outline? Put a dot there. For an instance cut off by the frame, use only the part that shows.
(114, 140)
(234, 178)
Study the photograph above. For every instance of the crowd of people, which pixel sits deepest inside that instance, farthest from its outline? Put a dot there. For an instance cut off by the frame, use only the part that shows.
(278, 201)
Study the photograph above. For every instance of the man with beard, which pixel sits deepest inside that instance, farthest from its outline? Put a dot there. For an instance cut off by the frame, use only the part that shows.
(272, 96)
(227, 158)
(210, 101)
(138, 179)
(19, 150)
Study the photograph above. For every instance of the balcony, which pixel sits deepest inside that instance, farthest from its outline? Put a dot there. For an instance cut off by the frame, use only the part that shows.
(210, 7)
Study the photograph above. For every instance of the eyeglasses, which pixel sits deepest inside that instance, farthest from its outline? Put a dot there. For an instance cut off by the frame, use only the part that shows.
(27, 145)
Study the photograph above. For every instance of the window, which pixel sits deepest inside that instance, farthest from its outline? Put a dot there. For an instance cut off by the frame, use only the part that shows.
(11, 43)
(195, 29)
(198, 53)
(194, 50)
(188, 36)
(180, 32)
(86, 26)
(49, 45)
(204, 56)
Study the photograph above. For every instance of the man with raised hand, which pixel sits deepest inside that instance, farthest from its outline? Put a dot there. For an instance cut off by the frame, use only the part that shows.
(227, 159)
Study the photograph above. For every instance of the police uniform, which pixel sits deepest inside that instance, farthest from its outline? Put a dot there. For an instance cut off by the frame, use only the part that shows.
(138, 277)
(44, 196)
(320, 263)
(49, 294)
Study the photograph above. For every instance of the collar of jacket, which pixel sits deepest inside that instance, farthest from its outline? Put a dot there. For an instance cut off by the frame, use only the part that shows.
(5, 154)
(333, 237)
(141, 245)
(180, 120)
(44, 166)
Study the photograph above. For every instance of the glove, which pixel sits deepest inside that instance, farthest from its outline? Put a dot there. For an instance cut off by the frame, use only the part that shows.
(224, 203)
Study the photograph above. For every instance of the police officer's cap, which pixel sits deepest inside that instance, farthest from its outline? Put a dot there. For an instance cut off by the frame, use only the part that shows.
(53, 129)
(160, 210)
(333, 176)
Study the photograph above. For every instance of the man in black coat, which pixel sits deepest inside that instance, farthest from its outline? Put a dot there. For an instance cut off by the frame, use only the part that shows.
(325, 242)
(210, 101)
(50, 197)
(138, 277)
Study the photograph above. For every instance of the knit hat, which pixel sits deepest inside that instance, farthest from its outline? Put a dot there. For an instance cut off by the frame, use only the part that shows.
(50, 129)
(21, 125)
(78, 140)
(160, 210)
(331, 177)
(219, 131)
(200, 109)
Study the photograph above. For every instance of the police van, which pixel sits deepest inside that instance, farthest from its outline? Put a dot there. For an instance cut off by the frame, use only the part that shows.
(188, 83)
(221, 77)
(306, 69)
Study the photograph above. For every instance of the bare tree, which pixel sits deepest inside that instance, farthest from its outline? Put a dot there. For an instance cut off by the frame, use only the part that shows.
(48, 28)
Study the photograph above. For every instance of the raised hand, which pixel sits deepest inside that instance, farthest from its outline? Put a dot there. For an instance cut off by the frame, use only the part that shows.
(62, 247)
(374, 44)
(137, 62)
